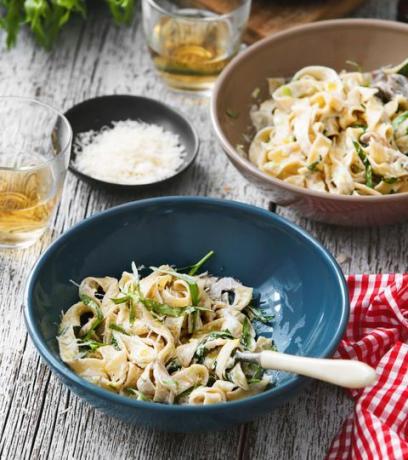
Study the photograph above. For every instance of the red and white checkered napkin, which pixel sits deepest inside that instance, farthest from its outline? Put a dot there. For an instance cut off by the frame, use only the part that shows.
(377, 334)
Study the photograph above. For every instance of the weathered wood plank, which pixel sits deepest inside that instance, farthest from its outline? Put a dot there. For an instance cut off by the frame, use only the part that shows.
(39, 417)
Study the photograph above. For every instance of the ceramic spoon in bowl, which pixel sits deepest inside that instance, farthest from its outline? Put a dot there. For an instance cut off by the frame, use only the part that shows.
(341, 372)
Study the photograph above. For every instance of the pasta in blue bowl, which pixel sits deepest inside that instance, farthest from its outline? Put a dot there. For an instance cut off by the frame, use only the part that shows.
(153, 341)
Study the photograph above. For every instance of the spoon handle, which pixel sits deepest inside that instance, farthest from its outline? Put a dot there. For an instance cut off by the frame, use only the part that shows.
(342, 372)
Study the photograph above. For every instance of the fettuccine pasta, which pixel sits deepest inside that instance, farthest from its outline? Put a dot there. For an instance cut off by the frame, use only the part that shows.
(344, 133)
(169, 337)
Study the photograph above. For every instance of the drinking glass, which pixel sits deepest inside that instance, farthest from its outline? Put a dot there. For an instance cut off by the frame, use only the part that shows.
(191, 41)
(35, 145)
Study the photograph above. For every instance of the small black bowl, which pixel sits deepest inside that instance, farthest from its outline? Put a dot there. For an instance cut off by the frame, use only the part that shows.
(95, 113)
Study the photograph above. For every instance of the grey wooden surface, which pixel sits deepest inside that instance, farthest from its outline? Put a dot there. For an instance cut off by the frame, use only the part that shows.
(39, 417)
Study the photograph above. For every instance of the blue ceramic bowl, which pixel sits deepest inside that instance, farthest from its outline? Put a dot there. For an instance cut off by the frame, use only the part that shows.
(292, 271)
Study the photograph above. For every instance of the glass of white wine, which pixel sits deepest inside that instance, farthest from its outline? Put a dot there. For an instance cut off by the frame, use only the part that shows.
(35, 145)
(191, 41)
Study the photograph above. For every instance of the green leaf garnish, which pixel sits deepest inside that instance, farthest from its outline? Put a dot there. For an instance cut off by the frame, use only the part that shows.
(120, 300)
(358, 125)
(286, 91)
(166, 310)
(398, 120)
(257, 375)
(117, 328)
(140, 396)
(313, 166)
(367, 164)
(132, 299)
(402, 69)
(357, 67)
(255, 93)
(122, 10)
(232, 114)
(369, 175)
(201, 350)
(185, 393)
(246, 333)
(98, 315)
(173, 366)
(132, 311)
(253, 372)
(93, 345)
(389, 180)
(257, 315)
(114, 343)
(194, 268)
(192, 284)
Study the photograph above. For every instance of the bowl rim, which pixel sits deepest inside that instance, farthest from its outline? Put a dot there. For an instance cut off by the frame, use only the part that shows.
(61, 368)
(187, 162)
(231, 151)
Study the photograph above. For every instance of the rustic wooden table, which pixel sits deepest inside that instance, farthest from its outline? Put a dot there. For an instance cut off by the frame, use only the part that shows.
(39, 417)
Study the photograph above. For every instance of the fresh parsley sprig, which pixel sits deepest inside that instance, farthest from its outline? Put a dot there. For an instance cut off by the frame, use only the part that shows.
(46, 18)
(98, 315)
(366, 163)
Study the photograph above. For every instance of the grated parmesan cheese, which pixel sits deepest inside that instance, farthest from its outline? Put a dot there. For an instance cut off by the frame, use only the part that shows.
(130, 152)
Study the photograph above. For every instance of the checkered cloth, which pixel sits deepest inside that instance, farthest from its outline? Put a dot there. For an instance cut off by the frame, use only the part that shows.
(377, 333)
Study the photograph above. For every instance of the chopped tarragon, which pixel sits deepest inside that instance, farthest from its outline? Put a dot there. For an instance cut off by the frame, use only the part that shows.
(98, 316)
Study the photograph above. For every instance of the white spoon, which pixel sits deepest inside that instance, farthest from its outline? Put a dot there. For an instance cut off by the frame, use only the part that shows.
(342, 372)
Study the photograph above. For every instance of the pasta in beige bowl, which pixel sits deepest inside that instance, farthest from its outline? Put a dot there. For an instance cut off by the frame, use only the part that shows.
(344, 133)
(328, 142)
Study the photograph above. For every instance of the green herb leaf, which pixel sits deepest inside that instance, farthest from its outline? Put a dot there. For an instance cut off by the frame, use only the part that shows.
(140, 396)
(286, 91)
(226, 334)
(45, 18)
(166, 310)
(117, 328)
(202, 351)
(194, 268)
(313, 166)
(257, 375)
(122, 10)
(114, 343)
(369, 175)
(173, 366)
(255, 93)
(246, 333)
(398, 120)
(253, 372)
(120, 300)
(389, 180)
(184, 394)
(356, 65)
(132, 311)
(358, 125)
(258, 315)
(93, 345)
(192, 284)
(132, 299)
(402, 69)
(367, 164)
(232, 114)
(98, 315)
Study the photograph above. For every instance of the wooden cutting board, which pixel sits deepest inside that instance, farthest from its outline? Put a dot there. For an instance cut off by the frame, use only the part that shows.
(268, 16)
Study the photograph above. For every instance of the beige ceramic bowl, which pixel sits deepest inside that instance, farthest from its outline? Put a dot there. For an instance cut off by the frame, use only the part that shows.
(371, 43)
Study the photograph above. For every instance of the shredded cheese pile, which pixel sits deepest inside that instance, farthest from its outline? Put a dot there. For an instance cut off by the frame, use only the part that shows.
(130, 152)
